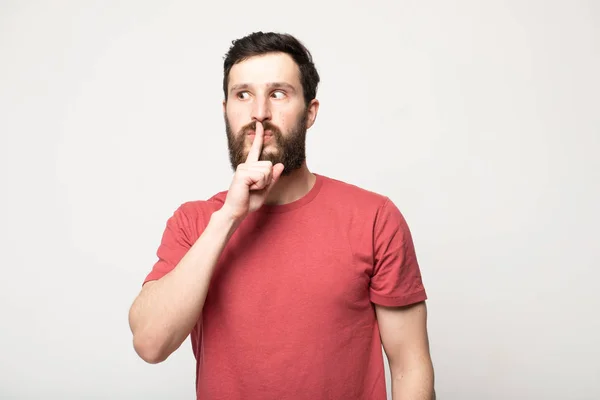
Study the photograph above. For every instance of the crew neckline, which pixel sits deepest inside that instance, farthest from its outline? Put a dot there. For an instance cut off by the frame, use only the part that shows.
(302, 201)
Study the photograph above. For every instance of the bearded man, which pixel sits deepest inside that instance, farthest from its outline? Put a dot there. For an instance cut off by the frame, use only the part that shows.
(290, 282)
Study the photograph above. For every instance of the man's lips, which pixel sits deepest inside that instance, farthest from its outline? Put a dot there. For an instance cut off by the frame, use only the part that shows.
(267, 133)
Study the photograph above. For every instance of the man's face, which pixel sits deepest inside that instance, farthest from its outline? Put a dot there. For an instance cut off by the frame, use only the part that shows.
(267, 88)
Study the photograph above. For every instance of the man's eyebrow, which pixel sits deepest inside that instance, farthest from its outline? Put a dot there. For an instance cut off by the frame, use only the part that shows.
(281, 85)
(270, 85)
(239, 86)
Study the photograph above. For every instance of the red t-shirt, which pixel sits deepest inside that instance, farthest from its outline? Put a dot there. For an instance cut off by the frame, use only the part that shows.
(289, 312)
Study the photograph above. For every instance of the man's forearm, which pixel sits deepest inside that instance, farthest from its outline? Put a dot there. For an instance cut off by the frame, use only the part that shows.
(164, 314)
(413, 384)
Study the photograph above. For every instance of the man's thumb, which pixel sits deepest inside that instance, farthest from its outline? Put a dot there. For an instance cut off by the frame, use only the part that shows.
(277, 170)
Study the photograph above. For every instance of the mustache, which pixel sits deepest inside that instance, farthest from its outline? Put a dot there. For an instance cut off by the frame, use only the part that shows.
(267, 126)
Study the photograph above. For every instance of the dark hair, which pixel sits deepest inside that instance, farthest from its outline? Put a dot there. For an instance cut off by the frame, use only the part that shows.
(259, 43)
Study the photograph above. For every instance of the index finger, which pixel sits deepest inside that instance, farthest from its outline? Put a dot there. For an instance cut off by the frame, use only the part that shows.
(257, 144)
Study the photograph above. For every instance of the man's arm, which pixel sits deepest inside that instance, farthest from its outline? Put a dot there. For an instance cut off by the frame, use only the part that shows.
(405, 341)
(166, 310)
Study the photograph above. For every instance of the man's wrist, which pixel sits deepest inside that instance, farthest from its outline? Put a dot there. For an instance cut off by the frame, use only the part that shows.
(225, 219)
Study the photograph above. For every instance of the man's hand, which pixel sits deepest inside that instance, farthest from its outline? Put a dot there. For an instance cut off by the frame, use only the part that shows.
(252, 181)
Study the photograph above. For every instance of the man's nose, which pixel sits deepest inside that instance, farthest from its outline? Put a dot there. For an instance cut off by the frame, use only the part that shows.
(261, 109)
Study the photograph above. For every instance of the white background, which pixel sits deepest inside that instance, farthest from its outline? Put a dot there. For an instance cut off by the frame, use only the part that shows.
(481, 120)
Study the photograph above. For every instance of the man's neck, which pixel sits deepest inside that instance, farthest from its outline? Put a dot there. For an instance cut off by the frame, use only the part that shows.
(291, 187)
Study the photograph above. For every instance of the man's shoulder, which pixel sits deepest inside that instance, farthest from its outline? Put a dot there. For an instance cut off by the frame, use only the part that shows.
(365, 206)
(201, 208)
(348, 193)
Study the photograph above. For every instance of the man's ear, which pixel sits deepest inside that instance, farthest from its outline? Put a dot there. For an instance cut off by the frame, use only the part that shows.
(313, 110)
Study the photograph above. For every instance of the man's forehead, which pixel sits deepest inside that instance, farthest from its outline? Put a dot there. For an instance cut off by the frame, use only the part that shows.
(263, 70)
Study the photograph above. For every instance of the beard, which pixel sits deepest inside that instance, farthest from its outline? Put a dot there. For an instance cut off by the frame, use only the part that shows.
(290, 149)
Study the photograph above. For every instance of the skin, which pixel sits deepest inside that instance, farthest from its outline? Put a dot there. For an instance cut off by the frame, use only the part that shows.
(264, 89)
(404, 337)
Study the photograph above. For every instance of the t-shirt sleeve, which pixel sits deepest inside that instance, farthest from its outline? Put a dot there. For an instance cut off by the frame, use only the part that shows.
(396, 278)
(174, 244)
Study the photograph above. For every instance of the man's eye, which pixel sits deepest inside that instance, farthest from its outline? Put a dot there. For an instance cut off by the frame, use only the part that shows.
(278, 94)
(242, 95)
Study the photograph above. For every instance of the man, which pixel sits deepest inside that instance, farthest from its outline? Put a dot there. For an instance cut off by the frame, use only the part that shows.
(289, 282)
